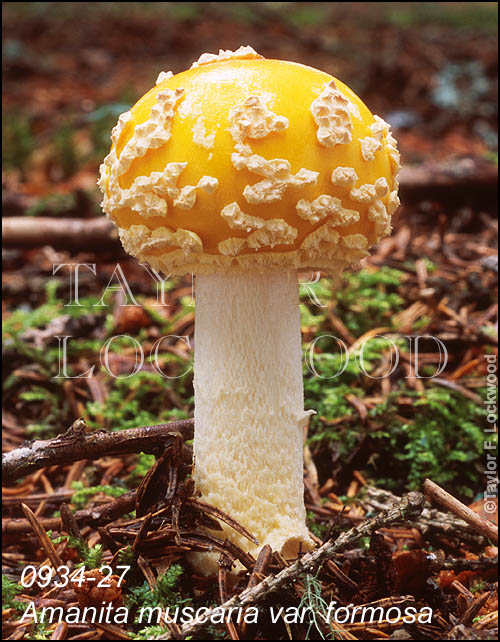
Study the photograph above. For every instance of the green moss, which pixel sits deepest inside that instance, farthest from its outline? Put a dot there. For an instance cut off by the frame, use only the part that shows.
(91, 556)
(126, 556)
(149, 633)
(444, 440)
(440, 436)
(166, 594)
(83, 495)
(23, 318)
(9, 591)
(42, 630)
(143, 463)
(369, 298)
(136, 401)
(314, 526)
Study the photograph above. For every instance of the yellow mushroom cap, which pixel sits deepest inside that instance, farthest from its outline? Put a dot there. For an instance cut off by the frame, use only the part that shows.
(247, 163)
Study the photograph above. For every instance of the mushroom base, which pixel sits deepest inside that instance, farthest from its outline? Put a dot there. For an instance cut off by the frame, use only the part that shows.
(249, 408)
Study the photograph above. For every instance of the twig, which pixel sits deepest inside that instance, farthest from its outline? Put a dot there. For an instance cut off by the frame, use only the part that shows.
(261, 565)
(457, 565)
(452, 385)
(43, 538)
(231, 628)
(429, 519)
(258, 574)
(407, 509)
(223, 517)
(484, 526)
(112, 631)
(60, 632)
(111, 510)
(14, 525)
(105, 513)
(68, 521)
(76, 444)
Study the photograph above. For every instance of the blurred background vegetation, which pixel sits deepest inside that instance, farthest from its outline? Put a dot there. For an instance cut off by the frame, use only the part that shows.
(71, 68)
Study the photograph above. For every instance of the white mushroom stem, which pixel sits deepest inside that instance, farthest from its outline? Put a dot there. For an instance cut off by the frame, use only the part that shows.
(249, 405)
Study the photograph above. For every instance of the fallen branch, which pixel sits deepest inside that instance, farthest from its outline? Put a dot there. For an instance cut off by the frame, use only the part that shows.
(475, 177)
(66, 233)
(483, 526)
(429, 520)
(77, 444)
(407, 509)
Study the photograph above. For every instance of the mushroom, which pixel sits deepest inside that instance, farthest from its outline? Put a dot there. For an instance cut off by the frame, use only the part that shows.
(243, 170)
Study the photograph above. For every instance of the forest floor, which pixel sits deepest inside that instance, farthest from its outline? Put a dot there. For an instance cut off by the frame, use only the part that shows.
(428, 68)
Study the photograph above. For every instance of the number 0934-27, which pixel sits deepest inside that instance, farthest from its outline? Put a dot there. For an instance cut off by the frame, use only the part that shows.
(43, 575)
